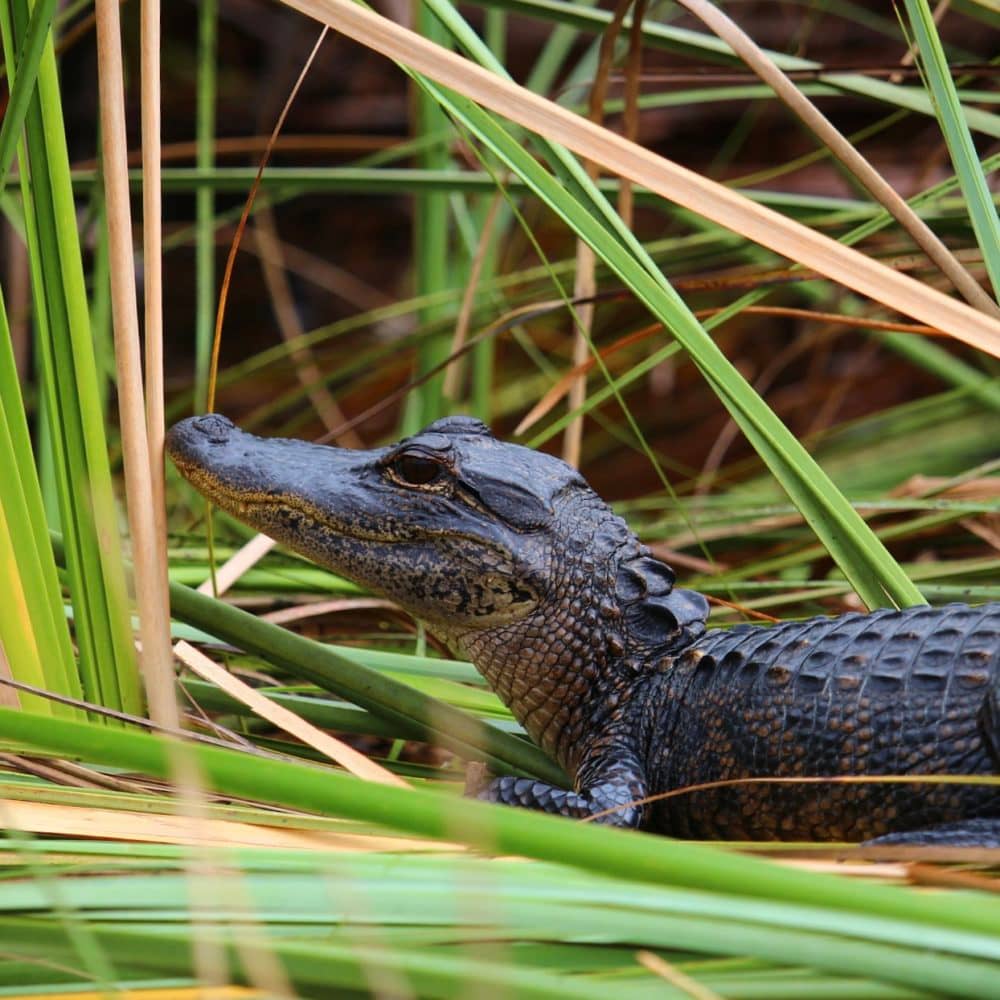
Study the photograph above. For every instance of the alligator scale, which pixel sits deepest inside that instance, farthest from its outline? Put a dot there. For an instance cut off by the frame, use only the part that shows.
(510, 557)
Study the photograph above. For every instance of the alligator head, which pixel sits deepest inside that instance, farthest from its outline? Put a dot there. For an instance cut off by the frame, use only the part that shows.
(503, 551)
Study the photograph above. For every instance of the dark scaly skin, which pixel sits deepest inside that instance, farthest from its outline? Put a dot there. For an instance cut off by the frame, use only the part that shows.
(886, 693)
(511, 558)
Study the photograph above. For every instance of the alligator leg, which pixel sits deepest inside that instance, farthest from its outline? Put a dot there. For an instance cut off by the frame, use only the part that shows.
(608, 785)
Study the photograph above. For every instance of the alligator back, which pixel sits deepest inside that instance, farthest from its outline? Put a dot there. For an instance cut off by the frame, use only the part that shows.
(890, 693)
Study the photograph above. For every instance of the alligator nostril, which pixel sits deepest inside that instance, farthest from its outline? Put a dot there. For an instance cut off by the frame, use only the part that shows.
(214, 426)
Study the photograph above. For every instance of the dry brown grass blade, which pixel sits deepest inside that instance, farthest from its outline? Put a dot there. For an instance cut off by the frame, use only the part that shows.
(793, 98)
(986, 528)
(243, 559)
(576, 375)
(290, 325)
(303, 611)
(859, 322)
(751, 278)
(863, 869)
(693, 564)
(922, 873)
(585, 278)
(722, 206)
(166, 828)
(451, 387)
(976, 488)
(152, 257)
(630, 115)
(319, 271)
(747, 529)
(47, 770)
(721, 602)
(921, 854)
(910, 56)
(68, 772)
(149, 554)
(347, 757)
(584, 287)
(669, 973)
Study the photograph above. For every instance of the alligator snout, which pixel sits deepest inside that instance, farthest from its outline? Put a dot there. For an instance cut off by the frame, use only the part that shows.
(189, 438)
(214, 426)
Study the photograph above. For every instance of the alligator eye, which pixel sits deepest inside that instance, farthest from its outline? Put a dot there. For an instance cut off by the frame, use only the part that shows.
(416, 470)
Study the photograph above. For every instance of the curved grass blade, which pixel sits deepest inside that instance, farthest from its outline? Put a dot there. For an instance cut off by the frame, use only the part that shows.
(571, 922)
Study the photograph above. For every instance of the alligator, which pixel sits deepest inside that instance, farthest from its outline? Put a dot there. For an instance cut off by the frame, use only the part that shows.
(516, 564)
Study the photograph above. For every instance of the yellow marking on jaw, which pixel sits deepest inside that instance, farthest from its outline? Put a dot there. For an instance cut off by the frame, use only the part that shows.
(244, 502)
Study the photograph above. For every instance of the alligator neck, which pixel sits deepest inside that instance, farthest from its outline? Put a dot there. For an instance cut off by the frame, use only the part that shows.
(563, 663)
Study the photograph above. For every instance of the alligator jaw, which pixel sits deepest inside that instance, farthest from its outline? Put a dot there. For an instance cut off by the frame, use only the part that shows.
(271, 484)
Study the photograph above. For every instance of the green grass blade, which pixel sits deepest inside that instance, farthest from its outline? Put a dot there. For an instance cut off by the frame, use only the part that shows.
(571, 923)
(864, 560)
(32, 625)
(418, 715)
(320, 969)
(337, 965)
(205, 291)
(951, 117)
(431, 247)
(70, 391)
(27, 63)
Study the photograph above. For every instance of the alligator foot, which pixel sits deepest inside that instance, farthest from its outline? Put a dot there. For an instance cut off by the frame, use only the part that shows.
(610, 804)
(967, 833)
